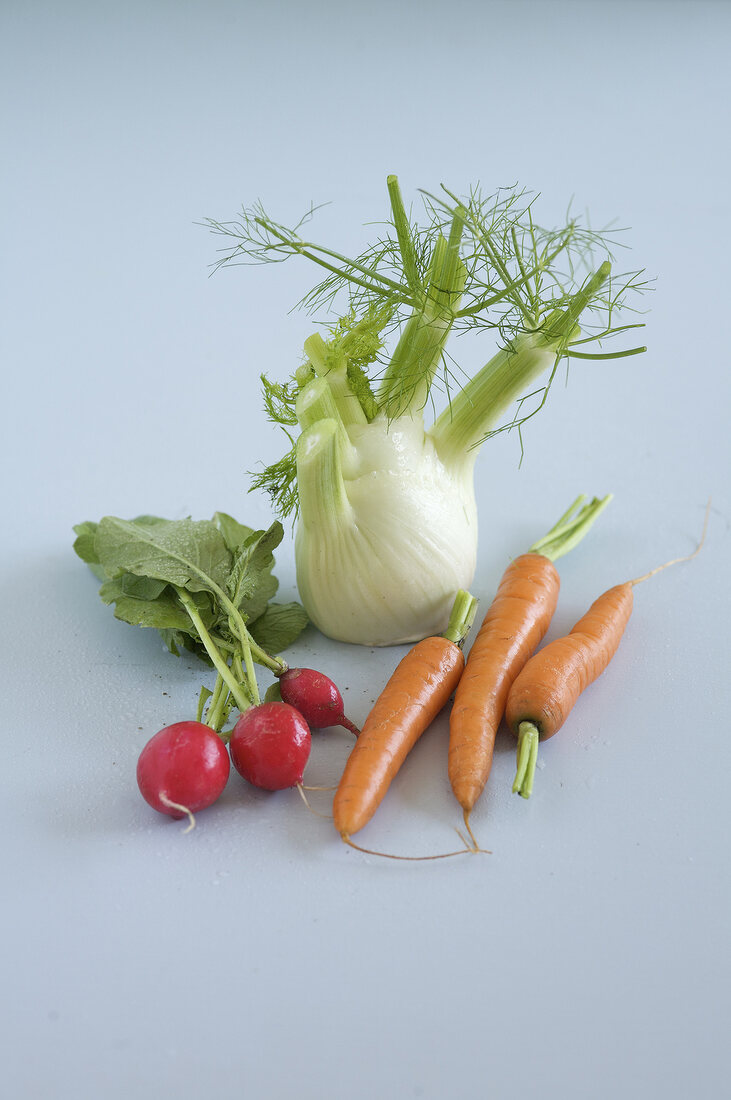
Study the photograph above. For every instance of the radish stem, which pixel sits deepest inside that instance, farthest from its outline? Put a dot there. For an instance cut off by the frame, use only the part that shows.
(242, 702)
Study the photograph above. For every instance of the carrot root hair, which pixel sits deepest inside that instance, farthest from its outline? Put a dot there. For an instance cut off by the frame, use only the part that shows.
(527, 757)
(467, 850)
(677, 561)
(474, 846)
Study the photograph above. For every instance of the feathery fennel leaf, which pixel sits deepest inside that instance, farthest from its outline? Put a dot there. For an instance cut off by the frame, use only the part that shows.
(476, 263)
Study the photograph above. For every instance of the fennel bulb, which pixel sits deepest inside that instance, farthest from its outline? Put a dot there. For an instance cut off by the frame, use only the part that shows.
(386, 518)
(381, 554)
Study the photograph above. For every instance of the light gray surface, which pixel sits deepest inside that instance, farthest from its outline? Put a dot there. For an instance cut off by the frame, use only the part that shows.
(257, 956)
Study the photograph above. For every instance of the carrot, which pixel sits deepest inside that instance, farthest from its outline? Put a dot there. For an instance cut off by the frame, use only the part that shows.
(545, 691)
(512, 628)
(416, 692)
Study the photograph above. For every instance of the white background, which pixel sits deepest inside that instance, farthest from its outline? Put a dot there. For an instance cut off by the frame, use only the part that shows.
(257, 956)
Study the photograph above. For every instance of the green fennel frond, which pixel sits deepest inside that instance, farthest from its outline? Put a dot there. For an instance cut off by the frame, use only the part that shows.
(359, 340)
(279, 481)
(516, 271)
(473, 263)
(279, 400)
(360, 337)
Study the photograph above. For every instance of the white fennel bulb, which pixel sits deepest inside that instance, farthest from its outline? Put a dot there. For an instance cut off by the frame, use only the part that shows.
(386, 519)
(383, 567)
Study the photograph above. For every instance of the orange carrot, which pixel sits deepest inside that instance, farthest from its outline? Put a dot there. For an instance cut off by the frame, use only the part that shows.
(546, 689)
(416, 692)
(512, 628)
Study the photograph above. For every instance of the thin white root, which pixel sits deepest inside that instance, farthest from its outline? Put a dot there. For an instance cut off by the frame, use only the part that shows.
(303, 796)
(677, 561)
(183, 809)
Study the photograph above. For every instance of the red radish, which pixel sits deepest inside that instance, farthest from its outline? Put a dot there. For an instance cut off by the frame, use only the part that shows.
(270, 746)
(316, 698)
(182, 769)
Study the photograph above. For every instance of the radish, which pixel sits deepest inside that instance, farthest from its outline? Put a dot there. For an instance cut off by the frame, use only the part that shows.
(182, 769)
(316, 698)
(270, 746)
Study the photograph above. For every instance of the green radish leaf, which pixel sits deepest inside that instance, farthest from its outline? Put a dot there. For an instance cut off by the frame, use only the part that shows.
(85, 547)
(279, 626)
(192, 644)
(141, 588)
(173, 639)
(162, 612)
(194, 582)
(273, 693)
(254, 606)
(84, 542)
(235, 534)
(190, 554)
(177, 642)
(203, 697)
(251, 584)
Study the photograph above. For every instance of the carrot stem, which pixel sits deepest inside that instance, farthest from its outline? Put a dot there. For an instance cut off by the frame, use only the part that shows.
(461, 618)
(528, 737)
(571, 528)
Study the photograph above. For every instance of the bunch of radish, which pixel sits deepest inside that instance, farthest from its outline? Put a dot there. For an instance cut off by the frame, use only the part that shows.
(185, 767)
(207, 587)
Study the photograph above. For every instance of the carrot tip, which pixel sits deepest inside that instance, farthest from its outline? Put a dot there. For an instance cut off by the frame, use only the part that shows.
(474, 847)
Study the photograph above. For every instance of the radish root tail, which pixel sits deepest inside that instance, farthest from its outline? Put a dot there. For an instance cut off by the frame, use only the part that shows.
(183, 809)
(303, 796)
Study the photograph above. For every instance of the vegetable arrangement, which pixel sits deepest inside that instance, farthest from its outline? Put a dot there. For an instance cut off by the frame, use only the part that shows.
(386, 534)
(185, 767)
(385, 508)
